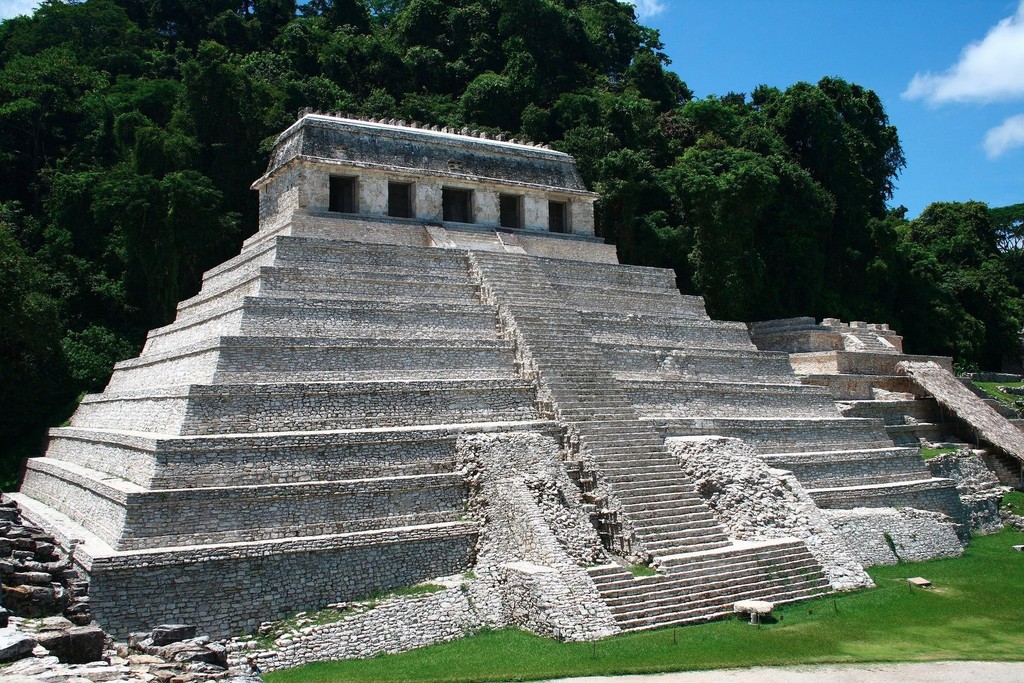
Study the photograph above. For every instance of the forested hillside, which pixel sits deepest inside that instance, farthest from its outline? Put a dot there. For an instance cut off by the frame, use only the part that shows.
(130, 131)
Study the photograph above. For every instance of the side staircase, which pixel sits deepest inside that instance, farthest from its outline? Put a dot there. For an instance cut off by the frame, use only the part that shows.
(652, 509)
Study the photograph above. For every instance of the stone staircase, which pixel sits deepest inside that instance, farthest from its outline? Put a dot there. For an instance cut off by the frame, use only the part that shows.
(690, 376)
(704, 585)
(652, 510)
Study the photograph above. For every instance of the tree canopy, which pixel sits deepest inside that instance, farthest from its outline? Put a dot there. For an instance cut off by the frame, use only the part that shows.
(130, 131)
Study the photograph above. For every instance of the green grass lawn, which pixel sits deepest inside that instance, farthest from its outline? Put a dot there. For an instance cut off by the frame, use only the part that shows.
(929, 453)
(974, 612)
(990, 389)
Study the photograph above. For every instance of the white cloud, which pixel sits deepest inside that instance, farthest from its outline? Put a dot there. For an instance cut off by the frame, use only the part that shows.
(1005, 136)
(648, 8)
(988, 71)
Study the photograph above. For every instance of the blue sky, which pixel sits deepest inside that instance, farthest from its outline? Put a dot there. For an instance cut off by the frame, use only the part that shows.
(958, 98)
(951, 74)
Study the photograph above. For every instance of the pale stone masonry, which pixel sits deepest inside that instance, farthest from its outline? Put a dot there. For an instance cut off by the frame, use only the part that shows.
(425, 364)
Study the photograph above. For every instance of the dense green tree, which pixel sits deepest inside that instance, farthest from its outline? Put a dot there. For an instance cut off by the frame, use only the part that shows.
(955, 247)
(130, 131)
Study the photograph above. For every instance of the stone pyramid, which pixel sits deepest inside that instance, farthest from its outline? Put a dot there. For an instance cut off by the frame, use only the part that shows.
(293, 438)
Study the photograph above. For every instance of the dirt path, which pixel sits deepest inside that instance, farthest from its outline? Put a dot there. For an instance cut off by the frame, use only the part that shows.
(925, 672)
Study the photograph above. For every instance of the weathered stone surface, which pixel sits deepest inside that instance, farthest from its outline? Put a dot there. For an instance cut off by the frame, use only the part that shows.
(14, 645)
(33, 578)
(990, 426)
(755, 502)
(30, 601)
(887, 536)
(172, 633)
(979, 488)
(74, 645)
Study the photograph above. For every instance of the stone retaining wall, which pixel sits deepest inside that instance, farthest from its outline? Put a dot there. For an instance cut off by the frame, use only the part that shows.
(915, 535)
(778, 435)
(263, 584)
(690, 399)
(154, 519)
(308, 406)
(935, 495)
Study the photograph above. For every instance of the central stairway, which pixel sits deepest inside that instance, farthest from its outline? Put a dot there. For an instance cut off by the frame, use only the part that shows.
(648, 508)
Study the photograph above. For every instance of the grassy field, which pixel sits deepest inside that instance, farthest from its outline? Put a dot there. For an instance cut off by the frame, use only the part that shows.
(974, 612)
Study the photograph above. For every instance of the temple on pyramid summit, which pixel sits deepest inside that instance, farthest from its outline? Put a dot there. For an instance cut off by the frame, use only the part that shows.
(425, 364)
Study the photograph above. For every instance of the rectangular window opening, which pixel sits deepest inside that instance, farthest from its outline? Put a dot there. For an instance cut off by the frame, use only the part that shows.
(457, 205)
(342, 194)
(557, 220)
(510, 209)
(400, 200)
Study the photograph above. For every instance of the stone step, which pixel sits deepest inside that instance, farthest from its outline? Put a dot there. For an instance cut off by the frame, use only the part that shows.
(158, 462)
(129, 518)
(310, 317)
(613, 443)
(650, 513)
(698, 563)
(638, 496)
(699, 538)
(720, 605)
(654, 594)
(621, 585)
(628, 474)
(710, 542)
(625, 452)
(680, 513)
(231, 408)
(229, 360)
(783, 434)
(682, 398)
(677, 523)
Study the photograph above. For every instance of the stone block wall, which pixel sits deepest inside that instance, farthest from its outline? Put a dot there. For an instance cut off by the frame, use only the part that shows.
(690, 399)
(854, 467)
(936, 496)
(784, 435)
(245, 460)
(748, 366)
(263, 581)
(227, 409)
(654, 331)
(888, 535)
